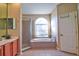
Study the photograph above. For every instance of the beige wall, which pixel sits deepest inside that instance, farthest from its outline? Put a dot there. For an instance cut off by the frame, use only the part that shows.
(33, 18)
(14, 12)
(66, 7)
(2, 15)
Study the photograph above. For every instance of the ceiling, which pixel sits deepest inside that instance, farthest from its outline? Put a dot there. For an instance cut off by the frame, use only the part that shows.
(38, 8)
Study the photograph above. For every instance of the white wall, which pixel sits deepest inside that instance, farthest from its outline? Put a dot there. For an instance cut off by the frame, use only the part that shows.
(54, 33)
(38, 8)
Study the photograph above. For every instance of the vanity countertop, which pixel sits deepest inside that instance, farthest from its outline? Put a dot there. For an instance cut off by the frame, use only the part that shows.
(3, 42)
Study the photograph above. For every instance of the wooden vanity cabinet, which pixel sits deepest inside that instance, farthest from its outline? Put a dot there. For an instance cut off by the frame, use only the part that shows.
(1, 50)
(15, 47)
(9, 47)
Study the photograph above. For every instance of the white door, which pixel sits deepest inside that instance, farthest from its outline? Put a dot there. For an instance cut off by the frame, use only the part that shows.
(67, 32)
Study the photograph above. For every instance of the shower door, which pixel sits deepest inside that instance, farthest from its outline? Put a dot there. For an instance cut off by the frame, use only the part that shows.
(26, 36)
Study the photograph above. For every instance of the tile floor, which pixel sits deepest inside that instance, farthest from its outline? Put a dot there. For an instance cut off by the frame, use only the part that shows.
(45, 52)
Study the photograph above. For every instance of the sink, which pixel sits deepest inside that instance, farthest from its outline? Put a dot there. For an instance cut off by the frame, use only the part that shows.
(2, 39)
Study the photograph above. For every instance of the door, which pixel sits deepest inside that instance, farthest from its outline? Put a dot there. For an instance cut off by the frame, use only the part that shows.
(26, 34)
(67, 32)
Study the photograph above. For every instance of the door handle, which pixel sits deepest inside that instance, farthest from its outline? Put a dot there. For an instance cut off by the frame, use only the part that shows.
(61, 34)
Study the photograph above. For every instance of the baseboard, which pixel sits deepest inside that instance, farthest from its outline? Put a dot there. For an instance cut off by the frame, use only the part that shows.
(24, 49)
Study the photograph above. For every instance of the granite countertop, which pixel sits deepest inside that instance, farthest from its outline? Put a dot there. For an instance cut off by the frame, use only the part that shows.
(3, 42)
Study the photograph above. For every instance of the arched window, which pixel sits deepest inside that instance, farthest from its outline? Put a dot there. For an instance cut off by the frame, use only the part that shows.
(41, 27)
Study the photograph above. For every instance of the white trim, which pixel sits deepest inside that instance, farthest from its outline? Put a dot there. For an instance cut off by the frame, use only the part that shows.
(14, 24)
(20, 29)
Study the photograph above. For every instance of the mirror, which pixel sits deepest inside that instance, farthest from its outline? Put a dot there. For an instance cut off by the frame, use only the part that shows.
(4, 20)
(10, 23)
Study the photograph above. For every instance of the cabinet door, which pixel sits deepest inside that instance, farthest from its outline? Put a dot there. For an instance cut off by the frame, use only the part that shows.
(15, 49)
(1, 51)
(18, 46)
(7, 49)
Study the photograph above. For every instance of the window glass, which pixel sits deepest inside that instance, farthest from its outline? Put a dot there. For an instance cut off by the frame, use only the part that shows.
(41, 27)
